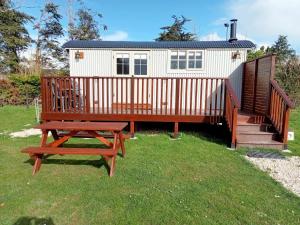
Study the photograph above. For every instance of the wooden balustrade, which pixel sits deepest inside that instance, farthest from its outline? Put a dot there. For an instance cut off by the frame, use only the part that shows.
(231, 111)
(133, 96)
(279, 110)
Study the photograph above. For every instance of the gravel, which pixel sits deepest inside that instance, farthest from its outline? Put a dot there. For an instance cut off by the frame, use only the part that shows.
(285, 170)
(26, 133)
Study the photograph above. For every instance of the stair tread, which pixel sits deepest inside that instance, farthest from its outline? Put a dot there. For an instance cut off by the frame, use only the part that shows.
(242, 123)
(256, 133)
(260, 142)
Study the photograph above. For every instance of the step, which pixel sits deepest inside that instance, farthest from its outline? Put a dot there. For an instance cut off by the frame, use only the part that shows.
(255, 136)
(245, 127)
(249, 118)
(260, 144)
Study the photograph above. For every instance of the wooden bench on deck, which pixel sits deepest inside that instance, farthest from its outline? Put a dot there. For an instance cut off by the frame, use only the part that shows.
(73, 128)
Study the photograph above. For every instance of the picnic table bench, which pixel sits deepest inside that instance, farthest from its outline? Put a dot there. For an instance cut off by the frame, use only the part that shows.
(92, 129)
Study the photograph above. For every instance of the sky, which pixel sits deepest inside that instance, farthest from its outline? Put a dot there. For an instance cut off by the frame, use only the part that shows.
(260, 21)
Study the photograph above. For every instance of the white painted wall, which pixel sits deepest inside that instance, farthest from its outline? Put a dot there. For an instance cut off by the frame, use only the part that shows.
(217, 63)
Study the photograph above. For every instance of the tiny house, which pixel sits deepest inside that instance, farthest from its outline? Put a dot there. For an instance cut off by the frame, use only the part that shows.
(172, 81)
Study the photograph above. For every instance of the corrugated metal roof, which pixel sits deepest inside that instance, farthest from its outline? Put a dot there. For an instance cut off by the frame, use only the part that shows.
(158, 44)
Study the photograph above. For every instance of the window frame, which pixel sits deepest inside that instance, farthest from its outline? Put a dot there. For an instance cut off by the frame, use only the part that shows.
(116, 63)
(170, 70)
(131, 62)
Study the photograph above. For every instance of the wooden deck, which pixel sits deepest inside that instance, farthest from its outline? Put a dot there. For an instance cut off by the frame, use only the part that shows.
(165, 99)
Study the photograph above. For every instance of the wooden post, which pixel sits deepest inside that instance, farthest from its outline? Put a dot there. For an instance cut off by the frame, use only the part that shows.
(87, 95)
(286, 127)
(131, 98)
(234, 126)
(175, 134)
(132, 129)
(177, 96)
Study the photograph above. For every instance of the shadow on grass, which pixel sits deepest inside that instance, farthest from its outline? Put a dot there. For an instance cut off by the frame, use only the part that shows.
(95, 163)
(207, 132)
(34, 221)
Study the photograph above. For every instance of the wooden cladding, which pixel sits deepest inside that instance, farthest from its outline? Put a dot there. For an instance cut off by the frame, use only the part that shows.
(134, 96)
(256, 87)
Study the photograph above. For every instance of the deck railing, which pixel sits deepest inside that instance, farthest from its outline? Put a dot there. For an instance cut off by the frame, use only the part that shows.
(279, 110)
(133, 96)
(231, 111)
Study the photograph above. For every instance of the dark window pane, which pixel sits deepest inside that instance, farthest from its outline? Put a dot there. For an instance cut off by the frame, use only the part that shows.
(126, 69)
(198, 64)
(119, 68)
(119, 60)
(182, 64)
(137, 61)
(126, 60)
(144, 61)
(144, 70)
(199, 56)
(137, 70)
(174, 65)
(191, 64)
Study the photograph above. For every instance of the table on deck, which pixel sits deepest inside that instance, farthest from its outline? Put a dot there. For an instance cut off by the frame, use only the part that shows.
(73, 128)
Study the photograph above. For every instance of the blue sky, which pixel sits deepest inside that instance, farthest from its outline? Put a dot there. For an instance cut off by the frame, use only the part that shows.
(260, 21)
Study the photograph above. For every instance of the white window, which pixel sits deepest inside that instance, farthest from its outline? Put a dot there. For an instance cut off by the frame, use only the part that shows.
(182, 60)
(122, 63)
(178, 60)
(140, 64)
(195, 59)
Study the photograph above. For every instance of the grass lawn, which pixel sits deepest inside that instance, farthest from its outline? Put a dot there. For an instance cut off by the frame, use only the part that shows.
(161, 181)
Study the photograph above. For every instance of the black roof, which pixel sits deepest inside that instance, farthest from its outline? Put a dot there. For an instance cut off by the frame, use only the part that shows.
(159, 44)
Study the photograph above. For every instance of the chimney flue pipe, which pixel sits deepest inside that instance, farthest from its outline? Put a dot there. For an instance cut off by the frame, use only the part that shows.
(233, 25)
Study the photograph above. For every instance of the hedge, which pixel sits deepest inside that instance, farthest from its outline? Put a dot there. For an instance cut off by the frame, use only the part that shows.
(19, 89)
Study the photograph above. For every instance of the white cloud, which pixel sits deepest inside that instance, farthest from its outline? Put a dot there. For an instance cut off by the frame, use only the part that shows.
(265, 19)
(211, 37)
(116, 36)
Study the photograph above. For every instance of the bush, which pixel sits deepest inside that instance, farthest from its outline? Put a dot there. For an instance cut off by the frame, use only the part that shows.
(19, 89)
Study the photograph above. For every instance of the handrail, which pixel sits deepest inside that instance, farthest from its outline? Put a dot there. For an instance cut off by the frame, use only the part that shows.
(279, 110)
(231, 111)
(281, 92)
(232, 93)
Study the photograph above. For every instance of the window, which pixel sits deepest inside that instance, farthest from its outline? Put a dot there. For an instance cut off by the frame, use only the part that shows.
(195, 60)
(178, 60)
(181, 60)
(122, 64)
(140, 64)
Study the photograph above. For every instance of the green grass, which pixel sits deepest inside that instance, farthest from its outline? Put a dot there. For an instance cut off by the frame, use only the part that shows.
(294, 146)
(161, 181)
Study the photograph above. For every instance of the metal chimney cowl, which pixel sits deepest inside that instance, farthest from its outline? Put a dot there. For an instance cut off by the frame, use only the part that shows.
(233, 26)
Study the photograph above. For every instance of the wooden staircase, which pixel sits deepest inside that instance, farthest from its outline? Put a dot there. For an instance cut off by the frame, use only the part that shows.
(254, 132)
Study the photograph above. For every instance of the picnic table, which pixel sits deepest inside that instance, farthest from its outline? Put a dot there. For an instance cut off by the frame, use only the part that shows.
(63, 131)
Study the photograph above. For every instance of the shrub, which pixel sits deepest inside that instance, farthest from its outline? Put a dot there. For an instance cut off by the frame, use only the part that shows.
(19, 89)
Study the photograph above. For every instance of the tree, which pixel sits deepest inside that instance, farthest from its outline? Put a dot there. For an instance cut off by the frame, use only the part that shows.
(253, 54)
(175, 32)
(287, 67)
(49, 29)
(86, 27)
(14, 37)
(288, 77)
(282, 49)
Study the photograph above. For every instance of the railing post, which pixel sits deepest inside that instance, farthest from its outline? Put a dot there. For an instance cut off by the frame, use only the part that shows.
(87, 95)
(177, 96)
(234, 126)
(132, 96)
(286, 126)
